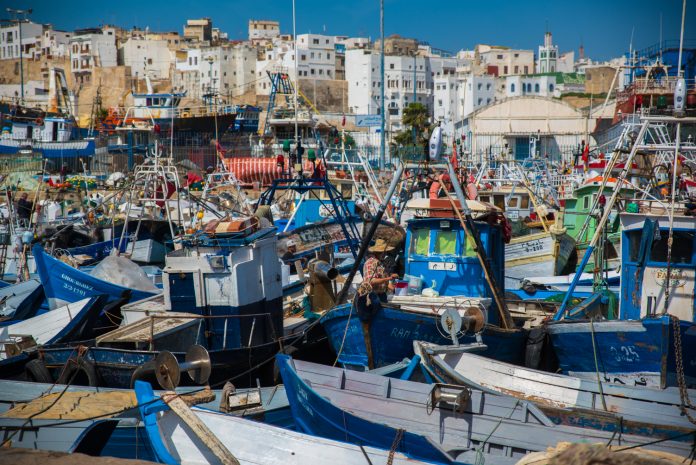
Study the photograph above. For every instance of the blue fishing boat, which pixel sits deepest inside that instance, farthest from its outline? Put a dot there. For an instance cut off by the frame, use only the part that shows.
(648, 337)
(437, 252)
(96, 252)
(20, 301)
(434, 422)
(65, 284)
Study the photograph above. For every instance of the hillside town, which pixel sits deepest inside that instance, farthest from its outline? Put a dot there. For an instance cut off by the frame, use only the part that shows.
(338, 75)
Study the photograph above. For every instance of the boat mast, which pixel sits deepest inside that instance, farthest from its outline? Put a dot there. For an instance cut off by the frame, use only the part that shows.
(297, 80)
(382, 139)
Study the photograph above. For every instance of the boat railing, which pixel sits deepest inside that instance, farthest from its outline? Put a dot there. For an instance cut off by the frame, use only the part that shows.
(255, 321)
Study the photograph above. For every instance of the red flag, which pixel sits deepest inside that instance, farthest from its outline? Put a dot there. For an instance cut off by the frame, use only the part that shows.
(586, 156)
(453, 160)
(343, 121)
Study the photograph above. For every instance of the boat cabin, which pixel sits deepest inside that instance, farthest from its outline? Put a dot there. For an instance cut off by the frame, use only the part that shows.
(439, 251)
(156, 106)
(644, 255)
(231, 271)
(50, 129)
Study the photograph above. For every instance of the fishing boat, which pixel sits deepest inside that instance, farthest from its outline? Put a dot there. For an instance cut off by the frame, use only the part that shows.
(651, 340)
(20, 301)
(64, 284)
(565, 399)
(52, 134)
(175, 441)
(49, 327)
(425, 421)
(439, 253)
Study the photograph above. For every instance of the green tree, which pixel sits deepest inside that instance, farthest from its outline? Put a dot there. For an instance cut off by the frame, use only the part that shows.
(415, 117)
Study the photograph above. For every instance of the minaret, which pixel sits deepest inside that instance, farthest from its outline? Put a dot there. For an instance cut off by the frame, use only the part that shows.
(548, 55)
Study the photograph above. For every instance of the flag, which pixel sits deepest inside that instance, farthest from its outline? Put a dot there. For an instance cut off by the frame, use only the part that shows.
(343, 121)
(586, 156)
(453, 160)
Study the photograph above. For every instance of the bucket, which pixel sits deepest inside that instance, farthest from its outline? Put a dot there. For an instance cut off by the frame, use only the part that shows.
(415, 284)
(401, 288)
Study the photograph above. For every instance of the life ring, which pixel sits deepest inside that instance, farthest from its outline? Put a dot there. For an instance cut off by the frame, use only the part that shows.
(36, 371)
(79, 372)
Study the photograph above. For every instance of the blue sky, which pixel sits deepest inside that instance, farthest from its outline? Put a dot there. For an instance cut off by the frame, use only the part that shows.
(604, 27)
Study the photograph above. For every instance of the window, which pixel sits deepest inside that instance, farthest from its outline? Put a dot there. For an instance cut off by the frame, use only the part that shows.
(488, 86)
(682, 253)
(512, 203)
(512, 88)
(500, 57)
(439, 104)
(517, 69)
(536, 88)
(550, 87)
(479, 86)
(525, 202)
(505, 69)
(445, 242)
(391, 65)
(586, 202)
(526, 69)
(149, 61)
(315, 41)
(420, 241)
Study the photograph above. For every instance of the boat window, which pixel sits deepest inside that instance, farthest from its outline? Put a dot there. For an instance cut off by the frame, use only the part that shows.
(586, 202)
(513, 202)
(485, 198)
(525, 202)
(633, 245)
(346, 191)
(148, 102)
(445, 242)
(682, 250)
(420, 244)
(499, 201)
(470, 247)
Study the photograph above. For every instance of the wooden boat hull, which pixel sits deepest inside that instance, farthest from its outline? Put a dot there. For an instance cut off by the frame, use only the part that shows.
(566, 400)
(468, 424)
(538, 254)
(250, 442)
(391, 332)
(630, 352)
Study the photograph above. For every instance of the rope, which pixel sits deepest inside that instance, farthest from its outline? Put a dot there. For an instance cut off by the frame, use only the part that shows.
(596, 364)
(480, 459)
(395, 444)
(345, 331)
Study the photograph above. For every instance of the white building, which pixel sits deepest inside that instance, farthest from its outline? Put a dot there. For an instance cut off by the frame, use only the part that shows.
(229, 70)
(539, 85)
(90, 48)
(352, 42)
(566, 62)
(317, 57)
(55, 44)
(400, 74)
(146, 57)
(548, 56)
(30, 46)
(456, 97)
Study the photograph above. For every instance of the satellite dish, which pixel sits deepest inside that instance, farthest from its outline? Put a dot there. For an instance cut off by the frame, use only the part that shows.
(435, 145)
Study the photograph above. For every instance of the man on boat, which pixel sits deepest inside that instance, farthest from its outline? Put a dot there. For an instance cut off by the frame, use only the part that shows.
(374, 272)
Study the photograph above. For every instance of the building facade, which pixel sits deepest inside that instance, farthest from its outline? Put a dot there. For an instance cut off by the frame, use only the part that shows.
(90, 48)
(503, 61)
(146, 57)
(29, 45)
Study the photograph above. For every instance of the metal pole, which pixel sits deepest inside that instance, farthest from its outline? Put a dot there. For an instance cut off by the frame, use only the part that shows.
(382, 148)
(21, 64)
(414, 94)
(681, 39)
(297, 80)
(368, 237)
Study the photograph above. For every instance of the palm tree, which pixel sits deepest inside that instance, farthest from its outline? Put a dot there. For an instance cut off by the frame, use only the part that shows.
(415, 118)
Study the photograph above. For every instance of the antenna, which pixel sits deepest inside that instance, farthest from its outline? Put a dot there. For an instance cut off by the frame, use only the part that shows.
(681, 38)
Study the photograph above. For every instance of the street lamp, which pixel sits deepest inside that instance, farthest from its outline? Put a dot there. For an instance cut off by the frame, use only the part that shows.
(20, 16)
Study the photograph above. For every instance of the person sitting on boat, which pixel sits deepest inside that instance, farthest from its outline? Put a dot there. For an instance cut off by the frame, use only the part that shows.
(437, 188)
(374, 272)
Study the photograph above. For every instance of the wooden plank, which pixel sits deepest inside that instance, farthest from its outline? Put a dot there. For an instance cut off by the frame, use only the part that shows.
(199, 428)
